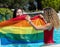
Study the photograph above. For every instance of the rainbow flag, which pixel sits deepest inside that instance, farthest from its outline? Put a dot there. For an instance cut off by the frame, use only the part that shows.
(17, 32)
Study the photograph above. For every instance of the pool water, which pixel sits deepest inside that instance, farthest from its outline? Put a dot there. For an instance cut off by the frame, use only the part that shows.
(57, 36)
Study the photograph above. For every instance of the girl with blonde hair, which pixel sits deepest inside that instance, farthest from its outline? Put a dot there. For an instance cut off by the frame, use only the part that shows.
(51, 20)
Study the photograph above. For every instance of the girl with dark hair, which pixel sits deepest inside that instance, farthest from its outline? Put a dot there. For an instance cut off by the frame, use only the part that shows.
(17, 15)
(17, 12)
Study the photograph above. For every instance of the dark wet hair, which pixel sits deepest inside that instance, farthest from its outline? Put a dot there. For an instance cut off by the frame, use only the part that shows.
(14, 13)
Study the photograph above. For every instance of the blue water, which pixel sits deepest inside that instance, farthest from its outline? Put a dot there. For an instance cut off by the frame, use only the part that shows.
(57, 36)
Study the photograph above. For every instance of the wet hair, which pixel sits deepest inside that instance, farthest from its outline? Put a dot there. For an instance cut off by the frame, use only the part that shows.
(51, 16)
(14, 13)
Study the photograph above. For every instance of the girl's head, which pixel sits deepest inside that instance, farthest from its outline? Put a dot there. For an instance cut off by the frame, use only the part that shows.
(51, 16)
(17, 12)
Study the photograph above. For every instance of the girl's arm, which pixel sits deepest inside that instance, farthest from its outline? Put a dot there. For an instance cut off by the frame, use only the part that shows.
(43, 27)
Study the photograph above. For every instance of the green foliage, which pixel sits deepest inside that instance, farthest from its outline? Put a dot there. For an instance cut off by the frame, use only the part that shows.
(51, 3)
(5, 14)
(13, 3)
(21, 3)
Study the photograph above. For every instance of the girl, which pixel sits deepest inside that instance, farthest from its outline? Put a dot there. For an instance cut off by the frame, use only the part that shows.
(17, 12)
(17, 15)
(52, 21)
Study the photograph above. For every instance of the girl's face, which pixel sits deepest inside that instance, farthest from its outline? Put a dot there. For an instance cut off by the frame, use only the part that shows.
(19, 12)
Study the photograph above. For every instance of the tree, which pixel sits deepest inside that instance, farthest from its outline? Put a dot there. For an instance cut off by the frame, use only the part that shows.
(51, 3)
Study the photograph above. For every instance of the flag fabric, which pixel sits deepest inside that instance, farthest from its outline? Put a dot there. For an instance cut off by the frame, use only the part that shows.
(17, 32)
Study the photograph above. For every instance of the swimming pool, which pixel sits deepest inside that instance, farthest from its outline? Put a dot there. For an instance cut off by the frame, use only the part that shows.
(57, 36)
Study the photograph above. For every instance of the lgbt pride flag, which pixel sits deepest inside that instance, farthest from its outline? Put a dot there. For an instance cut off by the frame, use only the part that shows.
(17, 32)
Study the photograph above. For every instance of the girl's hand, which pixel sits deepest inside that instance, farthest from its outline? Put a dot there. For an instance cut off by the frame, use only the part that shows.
(41, 16)
(27, 18)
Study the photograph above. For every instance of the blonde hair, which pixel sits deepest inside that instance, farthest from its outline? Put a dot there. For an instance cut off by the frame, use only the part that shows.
(51, 16)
